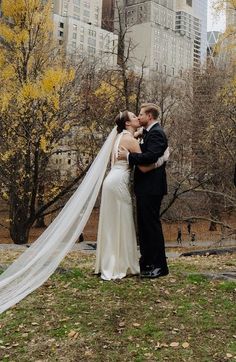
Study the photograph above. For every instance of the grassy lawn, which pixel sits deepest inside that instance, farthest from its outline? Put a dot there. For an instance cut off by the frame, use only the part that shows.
(77, 317)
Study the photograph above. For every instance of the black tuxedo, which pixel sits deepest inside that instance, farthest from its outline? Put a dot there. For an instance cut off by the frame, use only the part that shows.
(153, 146)
(150, 188)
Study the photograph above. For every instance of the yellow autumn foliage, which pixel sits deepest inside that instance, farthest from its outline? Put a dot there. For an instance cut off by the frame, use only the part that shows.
(106, 91)
(4, 101)
(43, 144)
(8, 72)
(54, 78)
(29, 90)
(7, 155)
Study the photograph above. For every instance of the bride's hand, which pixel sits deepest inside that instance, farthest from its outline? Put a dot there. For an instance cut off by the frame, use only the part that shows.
(122, 153)
(138, 133)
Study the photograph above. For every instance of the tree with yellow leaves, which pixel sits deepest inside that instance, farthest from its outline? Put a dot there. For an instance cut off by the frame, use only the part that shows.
(39, 103)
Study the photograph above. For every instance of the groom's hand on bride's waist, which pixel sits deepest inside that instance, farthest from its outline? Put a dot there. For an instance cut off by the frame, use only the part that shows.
(123, 153)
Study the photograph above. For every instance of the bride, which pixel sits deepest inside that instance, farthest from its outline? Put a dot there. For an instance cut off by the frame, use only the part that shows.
(117, 254)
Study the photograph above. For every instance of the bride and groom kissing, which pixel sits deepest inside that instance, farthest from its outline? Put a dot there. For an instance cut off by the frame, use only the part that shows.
(117, 254)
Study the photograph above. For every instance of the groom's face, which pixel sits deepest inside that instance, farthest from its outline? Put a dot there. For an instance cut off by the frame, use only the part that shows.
(143, 118)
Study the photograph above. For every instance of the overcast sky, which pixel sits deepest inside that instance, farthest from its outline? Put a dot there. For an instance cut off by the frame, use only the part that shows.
(214, 21)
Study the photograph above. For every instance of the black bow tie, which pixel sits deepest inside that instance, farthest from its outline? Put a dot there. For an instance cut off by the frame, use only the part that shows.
(145, 132)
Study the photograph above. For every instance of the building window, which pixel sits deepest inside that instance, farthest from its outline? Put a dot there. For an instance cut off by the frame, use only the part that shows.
(92, 41)
(164, 67)
(86, 4)
(74, 36)
(91, 50)
(189, 2)
(76, 9)
(86, 13)
(61, 25)
(74, 27)
(77, 2)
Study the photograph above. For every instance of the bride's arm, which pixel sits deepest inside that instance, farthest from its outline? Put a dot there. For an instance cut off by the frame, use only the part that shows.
(134, 147)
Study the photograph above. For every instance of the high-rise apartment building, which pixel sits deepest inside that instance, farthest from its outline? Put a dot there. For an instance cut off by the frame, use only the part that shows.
(151, 27)
(191, 19)
(200, 12)
(167, 35)
(78, 26)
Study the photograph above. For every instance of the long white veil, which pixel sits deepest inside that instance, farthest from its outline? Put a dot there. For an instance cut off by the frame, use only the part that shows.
(37, 263)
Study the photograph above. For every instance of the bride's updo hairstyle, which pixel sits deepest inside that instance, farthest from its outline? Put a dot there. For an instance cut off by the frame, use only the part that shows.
(121, 119)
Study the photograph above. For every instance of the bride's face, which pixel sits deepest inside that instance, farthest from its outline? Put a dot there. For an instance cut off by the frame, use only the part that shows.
(134, 122)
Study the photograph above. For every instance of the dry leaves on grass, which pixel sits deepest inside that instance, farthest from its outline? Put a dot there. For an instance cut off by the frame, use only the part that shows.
(73, 334)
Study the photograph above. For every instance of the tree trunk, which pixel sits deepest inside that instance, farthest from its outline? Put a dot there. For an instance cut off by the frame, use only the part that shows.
(19, 232)
(213, 226)
(19, 221)
(40, 222)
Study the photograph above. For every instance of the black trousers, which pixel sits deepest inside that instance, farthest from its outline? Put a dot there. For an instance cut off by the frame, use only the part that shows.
(151, 239)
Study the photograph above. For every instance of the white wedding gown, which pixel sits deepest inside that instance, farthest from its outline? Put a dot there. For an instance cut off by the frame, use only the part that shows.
(117, 254)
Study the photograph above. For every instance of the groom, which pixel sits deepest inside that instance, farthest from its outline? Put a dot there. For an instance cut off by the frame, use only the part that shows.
(150, 188)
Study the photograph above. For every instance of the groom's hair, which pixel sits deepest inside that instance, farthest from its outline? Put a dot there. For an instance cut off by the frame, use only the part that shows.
(151, 108)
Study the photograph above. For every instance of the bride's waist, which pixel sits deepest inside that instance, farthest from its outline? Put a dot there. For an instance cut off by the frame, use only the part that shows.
(121, 165)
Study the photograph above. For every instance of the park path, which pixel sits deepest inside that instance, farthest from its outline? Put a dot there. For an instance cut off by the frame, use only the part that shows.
(90, 247)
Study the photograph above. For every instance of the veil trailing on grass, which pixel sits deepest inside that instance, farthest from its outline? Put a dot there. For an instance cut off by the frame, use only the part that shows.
(37, 263)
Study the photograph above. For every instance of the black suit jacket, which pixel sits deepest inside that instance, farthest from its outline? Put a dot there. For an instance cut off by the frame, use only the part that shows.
(153, 147)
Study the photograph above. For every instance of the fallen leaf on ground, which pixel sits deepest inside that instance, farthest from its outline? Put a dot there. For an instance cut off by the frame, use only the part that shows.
(174, 344)
(121, 324)
(73, 334)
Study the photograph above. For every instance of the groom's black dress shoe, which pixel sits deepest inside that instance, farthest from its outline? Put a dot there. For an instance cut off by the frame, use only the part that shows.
(154, 273)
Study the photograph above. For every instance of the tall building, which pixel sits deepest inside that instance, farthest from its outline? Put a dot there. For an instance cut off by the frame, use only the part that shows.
(78, 25)
(168, 36)
(151, 28)
(192, 15)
